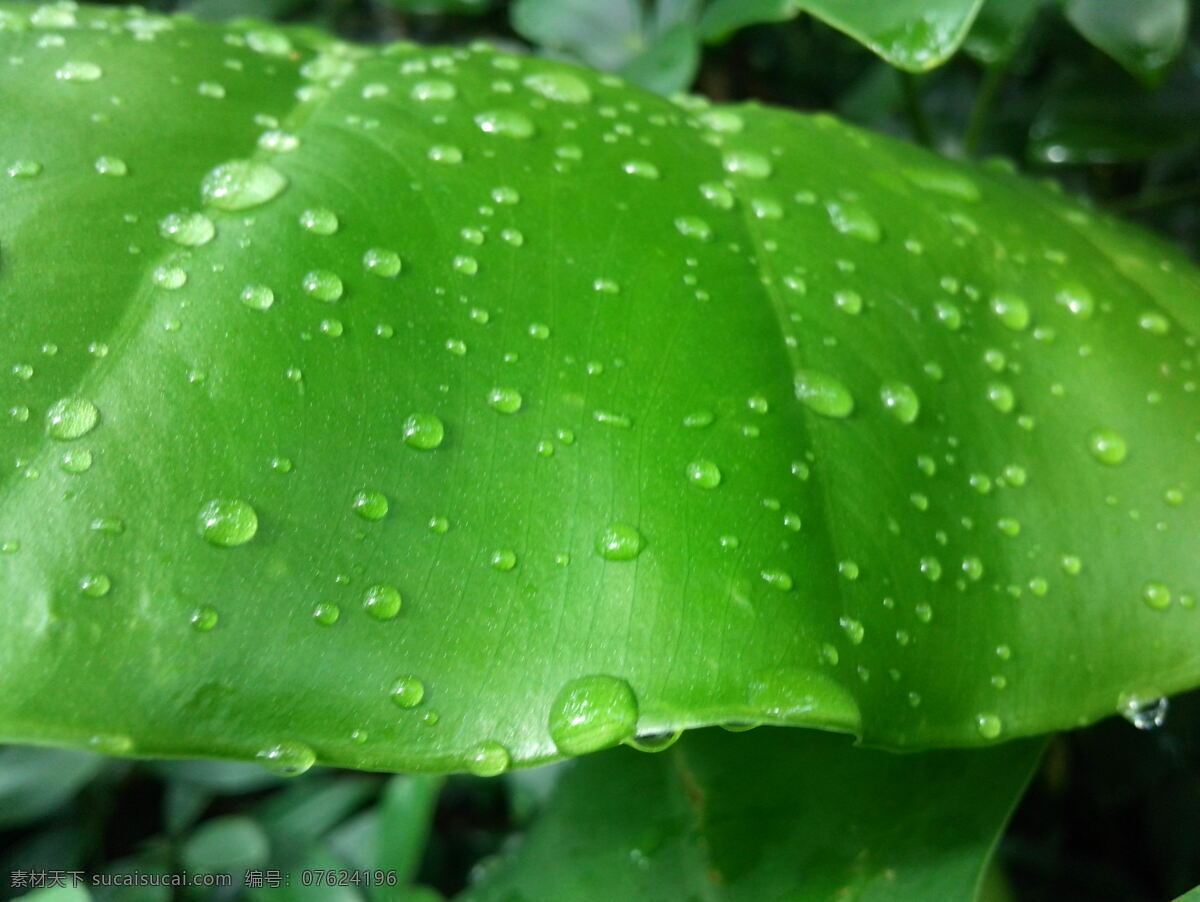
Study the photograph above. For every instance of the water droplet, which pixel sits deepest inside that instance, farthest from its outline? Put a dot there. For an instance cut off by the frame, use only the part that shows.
(592, 713)
(1107, 446)
(169, 277)
(1144, 713)
(204, 618)
(848, 301)
(24, 169)
(408, 692)
(113, 166)
(1077, 299)
(319, 221)
(704, 474)
(694, 227)
(383, 263)
(989, 726)
(851, 219)
(95, 585)
(503, 560)
(75, 461)
(504, 400)
(640, 168)
(276, 141)
(1001, 397)
(423, 431)
(226, 522)
(1156, 595)
(445, 153)
(78, 72)
(778, 579)
(258, 297)
(433, 90)
(322, 285)
(1011, 310)
(370, 505)
(1154, 323)
(465, 264)
(288, 759)
(382, 602)
(619, 542)
(559, 86)
(241, 184)
(900, 400)
(71, 418)
(488, 759)
(746, 162)
(509, 123)
(326, 613)
(823, 394)
(931, 568)
(187, 229)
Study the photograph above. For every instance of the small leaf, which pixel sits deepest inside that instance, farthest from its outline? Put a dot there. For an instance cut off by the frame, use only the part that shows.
(1000, 29)
(669, 64)
(603, 35)
(1144, 37)
(773, 814)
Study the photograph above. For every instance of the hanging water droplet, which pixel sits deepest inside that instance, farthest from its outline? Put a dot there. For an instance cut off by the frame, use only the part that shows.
(488, 759)
(1144, 712)
(592, 713)
(288, 759)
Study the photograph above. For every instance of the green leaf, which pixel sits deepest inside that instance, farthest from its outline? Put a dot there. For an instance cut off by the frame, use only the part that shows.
(519, 422)
(722, 18)
(36, 782)
(914, 35)
(776, 814)
(1143, 37)
(442, 7)
(1104, 117)
(1190, 896)
(669, 64)
(603, 35)
(1000, 29)
(224, 845)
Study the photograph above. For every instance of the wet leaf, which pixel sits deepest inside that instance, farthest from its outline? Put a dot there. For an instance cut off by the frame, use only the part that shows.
(430, 410)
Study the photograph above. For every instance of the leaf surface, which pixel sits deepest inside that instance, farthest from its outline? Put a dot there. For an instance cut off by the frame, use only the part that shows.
(491, 410)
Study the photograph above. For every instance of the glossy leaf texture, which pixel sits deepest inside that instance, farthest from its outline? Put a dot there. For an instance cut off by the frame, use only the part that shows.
(429, 409)
(813, 820)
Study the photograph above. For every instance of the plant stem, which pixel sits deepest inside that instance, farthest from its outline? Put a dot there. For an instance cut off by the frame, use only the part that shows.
(918, 119)
(981, 109)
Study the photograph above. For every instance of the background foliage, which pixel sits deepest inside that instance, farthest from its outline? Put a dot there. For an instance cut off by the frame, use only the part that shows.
(1108, 106)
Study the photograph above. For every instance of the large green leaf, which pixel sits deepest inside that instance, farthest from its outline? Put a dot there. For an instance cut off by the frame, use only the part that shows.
(679, 415)
(814, 819)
